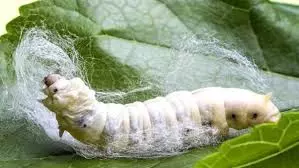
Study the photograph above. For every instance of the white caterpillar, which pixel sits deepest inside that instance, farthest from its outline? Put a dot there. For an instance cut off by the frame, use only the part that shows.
(78, 112)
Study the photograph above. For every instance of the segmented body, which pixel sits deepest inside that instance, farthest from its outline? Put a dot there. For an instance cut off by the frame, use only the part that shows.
(142, 118)
(161, 112)
(79, 113)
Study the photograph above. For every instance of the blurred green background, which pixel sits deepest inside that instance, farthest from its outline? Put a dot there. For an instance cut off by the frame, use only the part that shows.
(9, 10)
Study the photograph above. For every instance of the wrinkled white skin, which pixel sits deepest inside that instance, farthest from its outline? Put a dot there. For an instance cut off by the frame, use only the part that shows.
(86, 119)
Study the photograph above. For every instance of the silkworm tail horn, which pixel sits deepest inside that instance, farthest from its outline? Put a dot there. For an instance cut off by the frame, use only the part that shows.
(61, 131)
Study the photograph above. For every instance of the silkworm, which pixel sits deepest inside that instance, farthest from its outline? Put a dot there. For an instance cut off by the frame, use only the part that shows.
(50, 79)
(78, 112)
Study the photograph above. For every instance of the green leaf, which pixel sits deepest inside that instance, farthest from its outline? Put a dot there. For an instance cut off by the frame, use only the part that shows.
(66, 161)
(118, 38)
(147, 48)
(267, 144)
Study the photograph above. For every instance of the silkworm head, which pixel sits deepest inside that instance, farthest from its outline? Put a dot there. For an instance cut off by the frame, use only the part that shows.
(51, 79)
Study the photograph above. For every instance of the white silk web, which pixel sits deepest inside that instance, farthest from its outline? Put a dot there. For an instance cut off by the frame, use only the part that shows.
(214, 64)
(41, 52)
